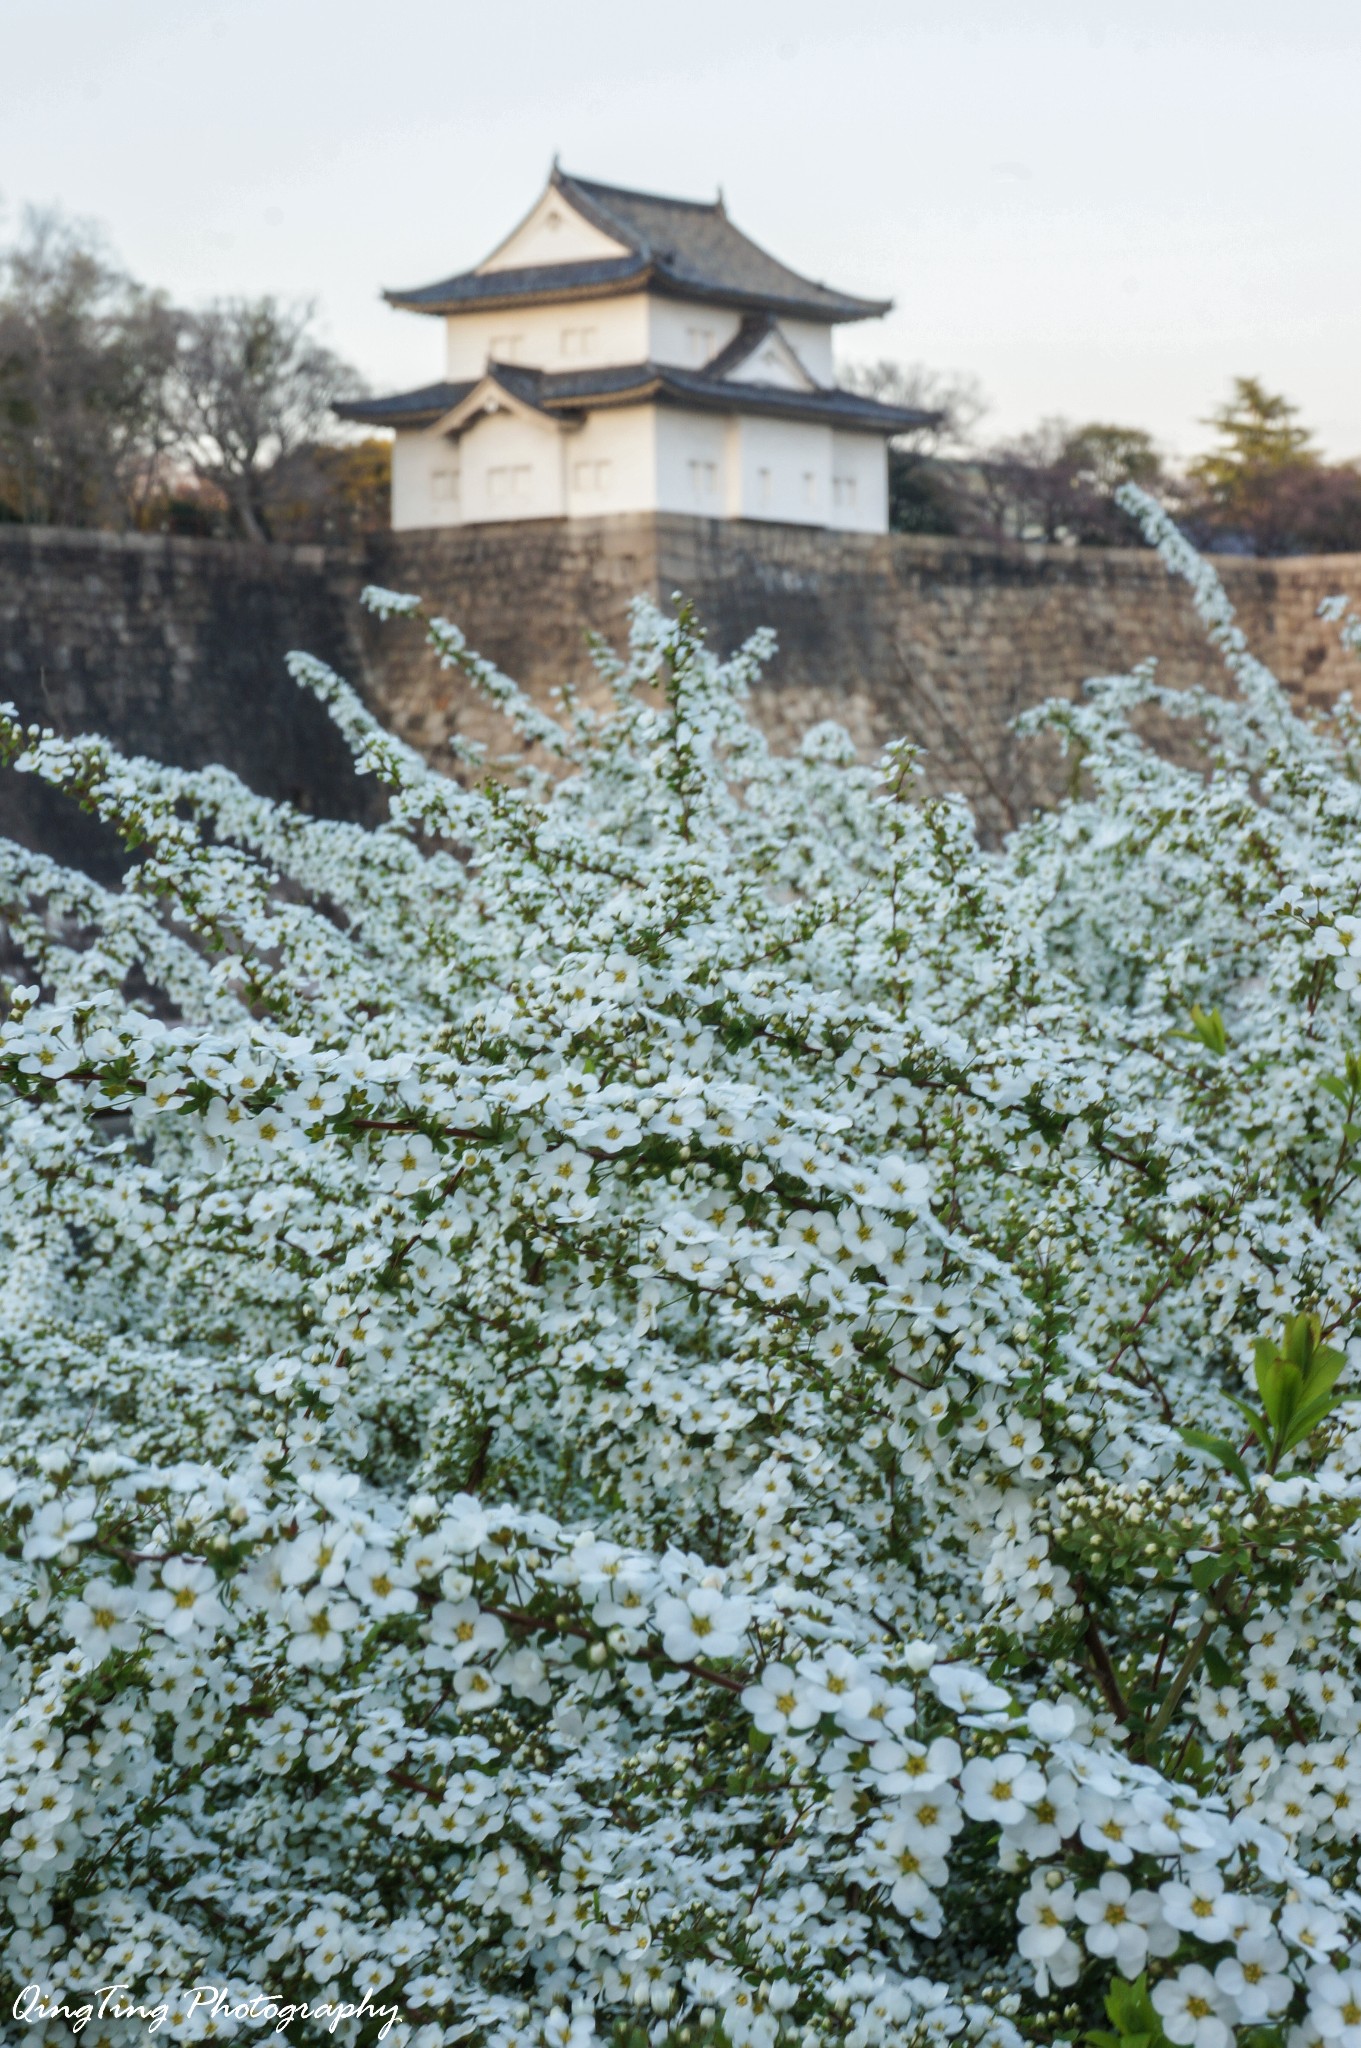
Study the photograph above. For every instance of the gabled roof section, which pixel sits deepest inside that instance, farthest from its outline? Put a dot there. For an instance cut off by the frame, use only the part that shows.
(574, 393)
(760, 353)
(554, 231)
(503, 388)
(687, 248)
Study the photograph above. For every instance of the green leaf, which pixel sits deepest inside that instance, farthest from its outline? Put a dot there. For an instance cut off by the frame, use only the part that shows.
(1217, 1669)
(1258, 1424)
(1289, 1388)
(1266, 1360)
(1130, 2011)
(1206, 1572)
(1323, 1371)
(1208, 1027)
(1301, 1336)
(1222, 1451)
(1336, 1086)
(1307, 1420)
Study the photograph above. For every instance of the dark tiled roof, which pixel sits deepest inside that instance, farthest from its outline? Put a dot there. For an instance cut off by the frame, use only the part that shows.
(406, 408)
(834, 407)
(549, 281)
(686, 247)
(526, 385)
(634, 384)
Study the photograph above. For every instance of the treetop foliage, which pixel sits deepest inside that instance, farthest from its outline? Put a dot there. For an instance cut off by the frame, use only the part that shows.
(1257, 434)
(1263, 489)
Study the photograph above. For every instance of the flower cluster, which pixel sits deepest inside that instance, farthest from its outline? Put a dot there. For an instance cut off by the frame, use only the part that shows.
(669, 1405)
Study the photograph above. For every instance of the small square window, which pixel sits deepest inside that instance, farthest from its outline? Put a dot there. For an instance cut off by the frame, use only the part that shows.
(508, 480)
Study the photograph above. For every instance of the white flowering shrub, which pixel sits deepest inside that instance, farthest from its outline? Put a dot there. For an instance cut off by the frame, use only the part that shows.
(673, 1407)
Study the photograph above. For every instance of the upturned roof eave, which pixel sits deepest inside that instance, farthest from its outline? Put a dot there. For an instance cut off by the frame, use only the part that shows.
(426, 299)
(655, 383)
(837, 314)
(435, 299)
(819, 406)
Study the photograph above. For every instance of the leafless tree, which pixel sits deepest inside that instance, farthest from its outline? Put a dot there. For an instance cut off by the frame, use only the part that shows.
(252, 384)
(85, 356)
(956, 400)
(1058, 483)
(920, 494)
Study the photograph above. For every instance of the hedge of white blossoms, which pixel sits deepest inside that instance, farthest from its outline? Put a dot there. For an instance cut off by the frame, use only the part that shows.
(675, 1407)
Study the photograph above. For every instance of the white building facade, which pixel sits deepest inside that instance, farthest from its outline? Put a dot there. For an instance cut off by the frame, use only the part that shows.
(621, 352)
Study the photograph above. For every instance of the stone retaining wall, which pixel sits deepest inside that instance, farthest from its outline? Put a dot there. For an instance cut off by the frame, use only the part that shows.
(942, 641)
(175, 647)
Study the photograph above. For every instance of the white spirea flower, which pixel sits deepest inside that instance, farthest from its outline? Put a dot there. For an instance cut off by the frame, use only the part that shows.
(624, 1398)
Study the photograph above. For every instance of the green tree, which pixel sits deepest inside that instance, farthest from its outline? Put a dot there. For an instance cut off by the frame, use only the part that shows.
(1264, 489)
(1102, 457)
(1258, 439)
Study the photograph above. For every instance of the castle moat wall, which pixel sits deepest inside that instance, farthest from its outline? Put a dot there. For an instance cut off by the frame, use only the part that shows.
(175, 647)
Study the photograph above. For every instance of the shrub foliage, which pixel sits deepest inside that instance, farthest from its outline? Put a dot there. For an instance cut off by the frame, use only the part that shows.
(666, 1405)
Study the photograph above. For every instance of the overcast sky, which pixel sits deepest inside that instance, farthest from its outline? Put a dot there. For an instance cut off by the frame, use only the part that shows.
(1101, 212)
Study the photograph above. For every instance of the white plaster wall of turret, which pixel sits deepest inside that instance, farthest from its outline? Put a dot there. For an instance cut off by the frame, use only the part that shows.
(508, 467)
(504, 466)
(572, 335)
(611, 462)
(859, 483)
(638, 459)
(692, 463)
(687, 333)
(785, 472)
(591, 334)
(426, 481)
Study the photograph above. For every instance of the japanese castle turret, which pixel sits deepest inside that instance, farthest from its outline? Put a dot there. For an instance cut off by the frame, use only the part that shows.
(621, 352)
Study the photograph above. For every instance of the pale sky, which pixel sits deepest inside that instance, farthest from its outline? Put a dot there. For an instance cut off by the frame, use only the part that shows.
(1103, 212)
